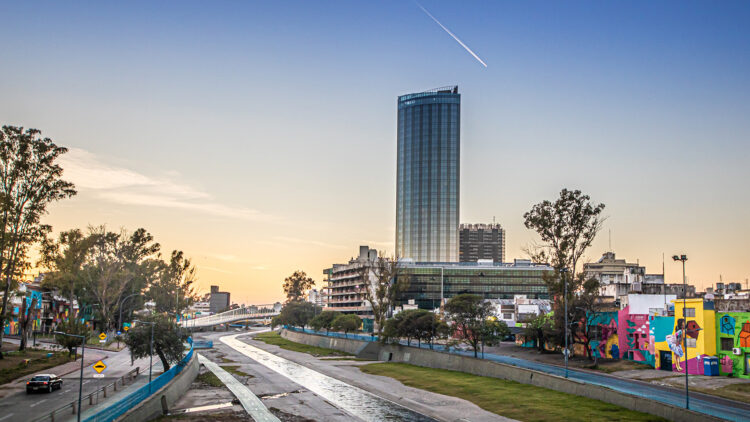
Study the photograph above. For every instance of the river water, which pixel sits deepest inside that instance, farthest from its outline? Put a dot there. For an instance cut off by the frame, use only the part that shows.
(356, 401)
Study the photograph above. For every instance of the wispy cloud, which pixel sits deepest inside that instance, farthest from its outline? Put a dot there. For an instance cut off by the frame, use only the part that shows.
(466, 47)
(124, 186)
(308, 242)
(214, 269)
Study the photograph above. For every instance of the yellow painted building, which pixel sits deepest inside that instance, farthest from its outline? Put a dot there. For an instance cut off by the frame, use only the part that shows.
(698, 322)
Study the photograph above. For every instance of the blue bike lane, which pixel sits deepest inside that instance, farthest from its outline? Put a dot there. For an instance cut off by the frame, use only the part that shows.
(720, 408)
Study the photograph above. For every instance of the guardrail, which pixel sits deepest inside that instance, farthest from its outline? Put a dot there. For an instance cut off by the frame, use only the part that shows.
(89, 400)
(117, 409)
(230, 316)
(350, 336)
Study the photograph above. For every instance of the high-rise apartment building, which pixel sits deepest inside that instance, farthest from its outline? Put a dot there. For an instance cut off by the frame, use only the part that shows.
(481, 241)
(427, 190)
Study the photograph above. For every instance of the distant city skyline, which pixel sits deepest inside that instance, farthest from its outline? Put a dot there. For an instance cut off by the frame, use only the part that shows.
(259, 137)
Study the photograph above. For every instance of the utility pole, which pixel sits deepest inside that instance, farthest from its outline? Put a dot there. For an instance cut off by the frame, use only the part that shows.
(683, 258)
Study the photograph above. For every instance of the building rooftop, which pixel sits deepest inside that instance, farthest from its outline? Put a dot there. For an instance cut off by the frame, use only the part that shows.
(442, 90)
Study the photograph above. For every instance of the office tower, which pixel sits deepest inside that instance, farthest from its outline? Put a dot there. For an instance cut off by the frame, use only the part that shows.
(481, 241)
(427, 190)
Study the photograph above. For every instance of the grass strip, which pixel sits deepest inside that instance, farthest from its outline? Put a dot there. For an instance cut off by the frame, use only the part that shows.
(275, 339)
(209, 378)
(232, 369)
(12, 366)
(507, 398)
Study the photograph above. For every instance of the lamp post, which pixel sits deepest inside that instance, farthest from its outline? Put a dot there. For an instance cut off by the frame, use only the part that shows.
(563, 274)
(150, 352)
(683, 258)
(119, 319)
(80, 381)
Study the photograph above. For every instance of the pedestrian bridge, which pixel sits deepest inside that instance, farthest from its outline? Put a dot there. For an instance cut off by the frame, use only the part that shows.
(254, 312)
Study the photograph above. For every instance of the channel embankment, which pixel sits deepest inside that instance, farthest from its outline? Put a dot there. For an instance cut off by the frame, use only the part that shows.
(442, 360)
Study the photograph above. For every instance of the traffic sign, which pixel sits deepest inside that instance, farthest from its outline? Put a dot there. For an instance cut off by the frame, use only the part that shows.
(126, 326)
(99, 367)
(102, 336)
(119, 333)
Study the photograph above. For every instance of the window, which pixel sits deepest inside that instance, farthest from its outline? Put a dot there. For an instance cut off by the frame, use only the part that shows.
(691, 342)
(727, 344)
(507, 316)
(688, 312)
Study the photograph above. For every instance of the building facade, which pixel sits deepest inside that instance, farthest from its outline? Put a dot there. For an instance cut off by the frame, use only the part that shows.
(427, 187)
(431, 283)
(218, 301)
(481, 241)
(346, 284)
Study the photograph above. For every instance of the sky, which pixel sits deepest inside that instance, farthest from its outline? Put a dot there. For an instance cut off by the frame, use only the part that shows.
(260, 137)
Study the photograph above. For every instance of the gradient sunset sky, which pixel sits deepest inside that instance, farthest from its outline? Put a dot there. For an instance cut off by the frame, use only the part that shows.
(260, 137)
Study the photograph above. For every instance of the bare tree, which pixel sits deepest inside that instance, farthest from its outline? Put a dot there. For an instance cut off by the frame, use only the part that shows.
(382, 283)
(30, 179)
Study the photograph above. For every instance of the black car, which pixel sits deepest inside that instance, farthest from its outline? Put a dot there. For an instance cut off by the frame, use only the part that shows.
(43, 382)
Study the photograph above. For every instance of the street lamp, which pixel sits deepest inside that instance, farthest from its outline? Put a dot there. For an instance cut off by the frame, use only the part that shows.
(150, 352)
(80, 381)
(563, 273)
(683, 258)
(119, 319)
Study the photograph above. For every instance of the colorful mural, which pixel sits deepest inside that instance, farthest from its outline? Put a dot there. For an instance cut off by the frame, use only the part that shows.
(733, 332)
(634, 336)
(698, 324)
(659, 327)
(605, 342)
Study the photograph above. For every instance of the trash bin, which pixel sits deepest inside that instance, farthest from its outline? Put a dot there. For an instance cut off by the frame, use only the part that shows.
(711, 366)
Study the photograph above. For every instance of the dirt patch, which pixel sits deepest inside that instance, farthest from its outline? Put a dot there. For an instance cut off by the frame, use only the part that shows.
(288, 417)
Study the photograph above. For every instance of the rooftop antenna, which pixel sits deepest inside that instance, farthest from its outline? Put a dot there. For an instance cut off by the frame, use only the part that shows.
(610, 240)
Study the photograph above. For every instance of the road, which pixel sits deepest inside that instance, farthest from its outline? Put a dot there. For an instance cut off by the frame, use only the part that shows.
(16, 405)
(298, 386)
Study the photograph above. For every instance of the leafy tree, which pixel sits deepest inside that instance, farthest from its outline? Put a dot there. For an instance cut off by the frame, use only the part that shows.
(346, 323)
(324, 320)
(30, 179)
(72, 326)
(115, 266)
(172, 291)
(296, 286)
(28, 314)
(383, 282)
(469, 314)
(567, 227)
(539, 330)
(586, 304)
(295, 314)
(427, 326)
(64, 259)
(168, 340)
(493, 332)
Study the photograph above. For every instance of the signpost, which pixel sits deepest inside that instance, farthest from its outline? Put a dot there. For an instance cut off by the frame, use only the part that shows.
(126, 326)
(99, 367)
(102, 338)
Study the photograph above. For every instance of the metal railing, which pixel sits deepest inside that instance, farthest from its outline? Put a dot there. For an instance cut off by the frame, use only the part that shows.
(91, 399)
(128, 402)
(254, 312)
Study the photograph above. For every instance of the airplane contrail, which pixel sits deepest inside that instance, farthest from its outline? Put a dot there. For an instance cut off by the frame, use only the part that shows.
(452, 35)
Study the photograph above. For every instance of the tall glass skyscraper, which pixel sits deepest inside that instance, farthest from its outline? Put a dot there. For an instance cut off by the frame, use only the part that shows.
(429, 143)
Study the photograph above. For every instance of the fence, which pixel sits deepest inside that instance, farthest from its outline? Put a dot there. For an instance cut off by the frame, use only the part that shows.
(117, 409)
(91, 399)
(350, 336)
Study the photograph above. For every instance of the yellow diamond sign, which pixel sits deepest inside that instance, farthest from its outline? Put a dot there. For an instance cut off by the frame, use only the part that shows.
(126, 328)
(102, 336)
(99, 367)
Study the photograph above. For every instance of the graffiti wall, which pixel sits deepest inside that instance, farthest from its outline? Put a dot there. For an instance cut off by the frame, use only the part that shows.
(659, 328)
(694, 327)
(634, 336)
(733, 343)
(604, 340)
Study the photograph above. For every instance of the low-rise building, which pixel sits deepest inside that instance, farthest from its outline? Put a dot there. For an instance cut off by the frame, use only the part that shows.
(218, 301)
(346, 284)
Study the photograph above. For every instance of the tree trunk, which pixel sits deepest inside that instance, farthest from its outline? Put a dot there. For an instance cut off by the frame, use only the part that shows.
(164, 361)
(6, 293)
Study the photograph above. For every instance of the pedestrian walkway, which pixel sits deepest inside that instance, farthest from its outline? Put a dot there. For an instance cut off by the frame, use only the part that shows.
(249, 401)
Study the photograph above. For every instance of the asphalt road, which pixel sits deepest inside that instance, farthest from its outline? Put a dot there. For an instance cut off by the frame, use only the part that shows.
(17, 405)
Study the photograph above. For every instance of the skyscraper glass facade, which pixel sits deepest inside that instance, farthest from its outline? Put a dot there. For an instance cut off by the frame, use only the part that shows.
(427, 191)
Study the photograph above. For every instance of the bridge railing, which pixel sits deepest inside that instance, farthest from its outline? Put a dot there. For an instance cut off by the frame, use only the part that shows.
(251, 312)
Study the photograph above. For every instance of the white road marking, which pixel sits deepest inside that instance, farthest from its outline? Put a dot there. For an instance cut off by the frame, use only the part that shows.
(6, 416)
(39, 402)
(67, 391)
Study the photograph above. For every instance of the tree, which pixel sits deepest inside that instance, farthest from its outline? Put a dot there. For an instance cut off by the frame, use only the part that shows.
(469, 314)
(346, 323)
(295, 314)
(493, 332)
(539, 330)
(168, 340)
(427, 326)
(383, 282)
(64, 259)
(567, 227)
(72, 326)
(172, 291)
(296, 286)
(586, 305)
(27, 314)
(30, 179)
(324, 320)
(114, 266)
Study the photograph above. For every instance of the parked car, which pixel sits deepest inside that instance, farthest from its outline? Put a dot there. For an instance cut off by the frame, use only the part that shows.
(43, 382)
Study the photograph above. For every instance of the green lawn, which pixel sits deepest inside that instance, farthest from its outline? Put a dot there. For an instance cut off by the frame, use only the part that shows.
(233, 369)
(507, 398)
(209, 378)
(275, 339)
(13, 365)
